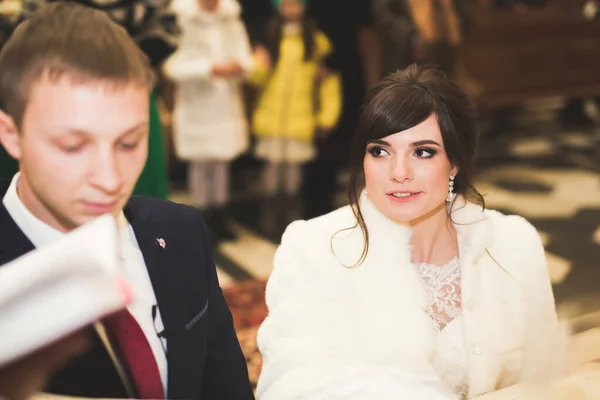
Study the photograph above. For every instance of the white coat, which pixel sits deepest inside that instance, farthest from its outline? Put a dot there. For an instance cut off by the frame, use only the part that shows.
(330, 326)
(209, 122)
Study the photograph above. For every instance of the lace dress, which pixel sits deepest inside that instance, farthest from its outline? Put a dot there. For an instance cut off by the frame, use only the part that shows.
(443, 287)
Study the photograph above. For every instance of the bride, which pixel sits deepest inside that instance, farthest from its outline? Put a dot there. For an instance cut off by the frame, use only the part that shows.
(414, 290)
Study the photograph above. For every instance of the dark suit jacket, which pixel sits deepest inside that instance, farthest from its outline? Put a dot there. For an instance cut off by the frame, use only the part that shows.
(204, 356)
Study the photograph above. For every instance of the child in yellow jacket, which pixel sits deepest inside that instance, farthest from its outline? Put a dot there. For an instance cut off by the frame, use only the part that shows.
(300, 98)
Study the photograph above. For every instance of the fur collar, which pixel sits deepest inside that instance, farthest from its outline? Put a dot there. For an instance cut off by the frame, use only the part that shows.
(386, 235)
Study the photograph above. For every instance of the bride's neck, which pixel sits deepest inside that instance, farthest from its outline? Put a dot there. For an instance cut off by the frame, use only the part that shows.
(434, 238)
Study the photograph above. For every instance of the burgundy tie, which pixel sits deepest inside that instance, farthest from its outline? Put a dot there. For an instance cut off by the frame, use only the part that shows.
(136, 354)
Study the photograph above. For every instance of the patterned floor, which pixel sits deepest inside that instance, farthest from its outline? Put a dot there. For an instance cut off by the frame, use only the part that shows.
(536, 169)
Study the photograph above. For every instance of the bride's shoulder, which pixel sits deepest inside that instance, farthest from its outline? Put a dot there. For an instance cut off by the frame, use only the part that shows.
(511, 227)
(319, 230)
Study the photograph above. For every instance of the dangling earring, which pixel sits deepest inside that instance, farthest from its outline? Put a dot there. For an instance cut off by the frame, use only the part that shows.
(451, 194)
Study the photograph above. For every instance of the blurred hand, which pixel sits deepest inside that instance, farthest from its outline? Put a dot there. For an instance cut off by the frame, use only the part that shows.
(219, 71)
(23, 378)
(263, 56)
(228, 70)
(235, 70)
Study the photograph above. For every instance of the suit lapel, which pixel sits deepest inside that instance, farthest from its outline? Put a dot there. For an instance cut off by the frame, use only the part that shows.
(154, 242)
(155, 257)
(13, 242)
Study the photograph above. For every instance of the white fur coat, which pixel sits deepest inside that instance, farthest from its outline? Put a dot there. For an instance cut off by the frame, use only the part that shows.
(330, 325)
(209, 120)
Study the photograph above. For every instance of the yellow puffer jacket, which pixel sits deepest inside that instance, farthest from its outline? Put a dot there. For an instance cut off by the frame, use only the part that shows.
(286, 107)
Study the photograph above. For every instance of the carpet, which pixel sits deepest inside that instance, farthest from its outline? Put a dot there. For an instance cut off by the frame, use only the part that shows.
(246, 300)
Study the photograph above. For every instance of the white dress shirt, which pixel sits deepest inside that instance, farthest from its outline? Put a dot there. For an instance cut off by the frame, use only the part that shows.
(135, 270)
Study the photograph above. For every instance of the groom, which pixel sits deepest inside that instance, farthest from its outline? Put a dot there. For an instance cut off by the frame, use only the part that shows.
(75, 90)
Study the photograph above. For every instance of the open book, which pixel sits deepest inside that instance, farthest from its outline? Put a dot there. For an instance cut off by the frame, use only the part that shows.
(58, 289)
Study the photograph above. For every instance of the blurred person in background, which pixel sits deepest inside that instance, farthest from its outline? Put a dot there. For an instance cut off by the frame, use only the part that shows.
(357, 56)
(300, 97)
(153, 26)
(210, 127)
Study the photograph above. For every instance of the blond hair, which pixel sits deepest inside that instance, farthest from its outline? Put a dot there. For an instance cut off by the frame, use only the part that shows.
(68, 39)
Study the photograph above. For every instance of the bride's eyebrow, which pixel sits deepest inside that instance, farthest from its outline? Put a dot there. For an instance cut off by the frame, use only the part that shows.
(425, 142)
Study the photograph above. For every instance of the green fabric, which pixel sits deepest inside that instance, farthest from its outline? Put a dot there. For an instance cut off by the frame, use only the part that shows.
(154, 182)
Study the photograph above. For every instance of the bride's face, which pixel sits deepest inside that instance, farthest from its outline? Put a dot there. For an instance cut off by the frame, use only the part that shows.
(407, 173)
